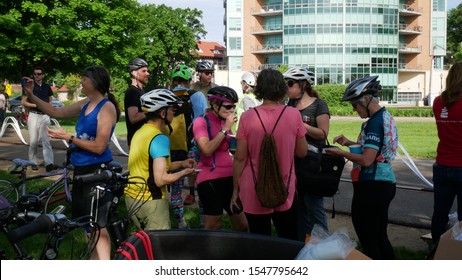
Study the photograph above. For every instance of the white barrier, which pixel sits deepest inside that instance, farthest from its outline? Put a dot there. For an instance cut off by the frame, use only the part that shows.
(14, 123)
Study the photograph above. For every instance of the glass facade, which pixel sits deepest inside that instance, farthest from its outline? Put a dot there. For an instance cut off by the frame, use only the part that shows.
(340, 43)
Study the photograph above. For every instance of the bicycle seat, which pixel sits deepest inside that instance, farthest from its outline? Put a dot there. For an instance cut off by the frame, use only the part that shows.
(20, 165)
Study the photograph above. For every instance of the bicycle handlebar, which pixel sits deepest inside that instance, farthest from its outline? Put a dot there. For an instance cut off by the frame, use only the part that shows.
(43, 224)
(105, 176)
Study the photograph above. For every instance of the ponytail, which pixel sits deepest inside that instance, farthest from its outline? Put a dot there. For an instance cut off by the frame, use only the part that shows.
(114, 101)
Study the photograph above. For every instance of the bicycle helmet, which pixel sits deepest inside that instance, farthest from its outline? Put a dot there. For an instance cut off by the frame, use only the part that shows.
(224, 94)
(136, 64)
(157, 99)
(250, 78)
(204, 66)
(360, 87)
(299, 73)
(182, 71)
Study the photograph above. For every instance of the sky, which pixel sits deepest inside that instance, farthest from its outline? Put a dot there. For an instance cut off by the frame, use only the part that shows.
(213, 13)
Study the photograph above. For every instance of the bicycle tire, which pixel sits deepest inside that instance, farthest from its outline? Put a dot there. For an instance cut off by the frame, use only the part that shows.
(57, 195)
(8, 190)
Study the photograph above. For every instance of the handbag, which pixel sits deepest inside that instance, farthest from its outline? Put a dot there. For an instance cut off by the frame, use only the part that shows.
(319, 173)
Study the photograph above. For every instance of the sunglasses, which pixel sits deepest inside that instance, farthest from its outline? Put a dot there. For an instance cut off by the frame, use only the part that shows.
(38, 74)
(291, 83)
(229, 107)
(208, 73)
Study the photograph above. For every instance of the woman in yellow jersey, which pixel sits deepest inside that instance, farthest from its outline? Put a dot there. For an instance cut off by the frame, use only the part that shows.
(149, 161)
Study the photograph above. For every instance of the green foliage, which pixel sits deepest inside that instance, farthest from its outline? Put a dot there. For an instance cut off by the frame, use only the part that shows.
(66, 35)
(168, 37)
(454, 36)
(283, 68)
(332, 94)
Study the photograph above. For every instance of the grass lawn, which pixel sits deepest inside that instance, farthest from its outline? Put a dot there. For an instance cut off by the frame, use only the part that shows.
(420, 139)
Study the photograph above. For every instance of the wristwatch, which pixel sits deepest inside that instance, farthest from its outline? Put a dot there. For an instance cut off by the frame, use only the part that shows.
(71, 139)
(224, 132)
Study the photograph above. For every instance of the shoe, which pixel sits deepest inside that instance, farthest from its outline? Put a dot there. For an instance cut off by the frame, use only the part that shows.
(34, 167)
(190, 199)
(51, 167)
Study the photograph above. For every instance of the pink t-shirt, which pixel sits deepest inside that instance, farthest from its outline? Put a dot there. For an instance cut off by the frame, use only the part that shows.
(288, 130)
(223, 160)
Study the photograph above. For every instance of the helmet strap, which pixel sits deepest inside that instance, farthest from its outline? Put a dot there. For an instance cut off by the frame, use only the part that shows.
(217, 111)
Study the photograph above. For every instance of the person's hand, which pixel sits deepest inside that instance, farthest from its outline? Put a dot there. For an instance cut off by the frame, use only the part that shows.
(335, 151)
(57, 133)
(28, 89)
(188, 171)
(188, 163)
(235, 203)
(230, 120)
(342, 140)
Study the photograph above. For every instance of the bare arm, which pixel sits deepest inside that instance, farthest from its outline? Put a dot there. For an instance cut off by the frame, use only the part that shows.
(187, 163)
(134, 115)
(317, 132)
(63, 112)
(240, 159)
(365, 159)
(301, 147)
(162, 177)
(207, 146)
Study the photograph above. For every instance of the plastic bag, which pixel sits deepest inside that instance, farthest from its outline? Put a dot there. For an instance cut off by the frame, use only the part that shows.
(453, 219)
(323, 246)
(457, 231)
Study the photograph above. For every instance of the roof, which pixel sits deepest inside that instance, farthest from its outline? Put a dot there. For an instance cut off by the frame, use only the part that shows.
(210, 49)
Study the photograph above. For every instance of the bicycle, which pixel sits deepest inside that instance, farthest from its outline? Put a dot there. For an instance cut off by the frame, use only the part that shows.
(21, 115)
(57, 225)
(17, 192)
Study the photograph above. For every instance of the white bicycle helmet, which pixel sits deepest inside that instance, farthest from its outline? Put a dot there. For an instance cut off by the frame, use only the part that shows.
(299, 73)
(250, 78)
(158, 99)
(360, 87)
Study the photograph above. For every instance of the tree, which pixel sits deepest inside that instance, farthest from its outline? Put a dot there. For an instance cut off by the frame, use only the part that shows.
(170, 37)
(454, 36)
(66, 35)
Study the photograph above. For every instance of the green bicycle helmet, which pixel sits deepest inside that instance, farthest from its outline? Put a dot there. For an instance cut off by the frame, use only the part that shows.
(182, 71)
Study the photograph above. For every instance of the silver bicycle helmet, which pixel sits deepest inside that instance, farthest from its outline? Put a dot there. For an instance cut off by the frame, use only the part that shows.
(204, 66)
(158, 99)
(136, 64)
(250, 78)
(360, 87)
(299, 73)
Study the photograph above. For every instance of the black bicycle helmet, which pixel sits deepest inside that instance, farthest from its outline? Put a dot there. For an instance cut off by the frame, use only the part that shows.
(204, 66)
(136, 64)
(360, 87)
(223, 93)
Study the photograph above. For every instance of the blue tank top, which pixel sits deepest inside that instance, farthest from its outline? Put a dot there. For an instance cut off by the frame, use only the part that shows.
(86, 129)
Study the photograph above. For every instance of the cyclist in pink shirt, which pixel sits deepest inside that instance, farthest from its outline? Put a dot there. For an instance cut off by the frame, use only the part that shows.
(289, 136)
(215, 178)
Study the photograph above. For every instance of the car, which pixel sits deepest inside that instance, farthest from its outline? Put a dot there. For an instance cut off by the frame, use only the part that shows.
(14, 103)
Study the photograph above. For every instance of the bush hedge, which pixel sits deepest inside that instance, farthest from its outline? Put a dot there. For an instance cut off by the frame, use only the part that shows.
(333, 94)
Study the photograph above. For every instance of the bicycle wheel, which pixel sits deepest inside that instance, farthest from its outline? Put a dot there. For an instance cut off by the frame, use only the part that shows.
(55, 198)
(8, 190)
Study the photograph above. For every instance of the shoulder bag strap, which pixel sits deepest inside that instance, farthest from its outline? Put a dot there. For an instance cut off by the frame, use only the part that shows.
(209, 131)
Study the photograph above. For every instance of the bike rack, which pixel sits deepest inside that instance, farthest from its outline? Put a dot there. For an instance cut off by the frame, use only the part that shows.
(14, 123)
(113, 139)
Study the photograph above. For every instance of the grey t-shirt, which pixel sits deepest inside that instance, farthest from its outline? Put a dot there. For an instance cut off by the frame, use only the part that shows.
(317, 108)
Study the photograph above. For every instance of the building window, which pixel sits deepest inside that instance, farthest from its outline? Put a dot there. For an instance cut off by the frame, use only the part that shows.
(235, 24)
(235, 43)
(235, 5)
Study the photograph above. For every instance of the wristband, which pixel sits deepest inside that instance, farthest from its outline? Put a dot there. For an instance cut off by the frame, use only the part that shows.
(71, 139)
(224, 132)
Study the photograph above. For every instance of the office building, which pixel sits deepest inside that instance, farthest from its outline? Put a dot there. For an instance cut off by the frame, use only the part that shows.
(401, 41)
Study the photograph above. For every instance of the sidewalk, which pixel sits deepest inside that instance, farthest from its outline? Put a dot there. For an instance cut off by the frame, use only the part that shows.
(410, 212)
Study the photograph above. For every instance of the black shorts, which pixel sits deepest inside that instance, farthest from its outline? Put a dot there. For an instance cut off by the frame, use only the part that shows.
(215, 195)
(89, 202)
